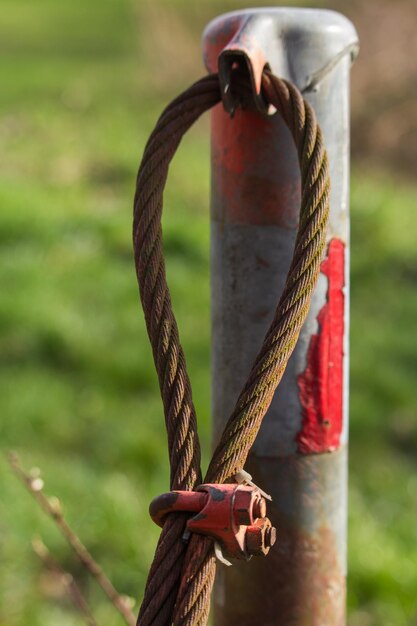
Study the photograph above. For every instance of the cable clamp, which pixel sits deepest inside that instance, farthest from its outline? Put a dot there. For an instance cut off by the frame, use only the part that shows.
(232, 514)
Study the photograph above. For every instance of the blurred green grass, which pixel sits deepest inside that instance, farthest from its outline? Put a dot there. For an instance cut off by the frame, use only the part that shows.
(82, 84)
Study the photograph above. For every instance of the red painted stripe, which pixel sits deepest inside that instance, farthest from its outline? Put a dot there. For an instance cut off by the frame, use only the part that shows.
(321, 384)
(255, 171)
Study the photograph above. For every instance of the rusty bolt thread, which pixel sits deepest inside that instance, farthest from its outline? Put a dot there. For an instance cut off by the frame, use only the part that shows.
(259, 508)
(270, 536)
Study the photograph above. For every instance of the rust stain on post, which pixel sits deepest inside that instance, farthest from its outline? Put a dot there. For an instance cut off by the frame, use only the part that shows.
(302, 582)
(306, 588)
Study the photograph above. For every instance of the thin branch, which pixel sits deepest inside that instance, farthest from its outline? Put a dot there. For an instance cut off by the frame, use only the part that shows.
(67, 580)
(52, 507)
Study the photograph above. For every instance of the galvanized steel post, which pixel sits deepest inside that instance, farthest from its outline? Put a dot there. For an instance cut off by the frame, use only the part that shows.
(300, 455)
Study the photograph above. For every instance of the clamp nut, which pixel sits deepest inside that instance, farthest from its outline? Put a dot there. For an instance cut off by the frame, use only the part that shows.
(260, 537)
(248, 506)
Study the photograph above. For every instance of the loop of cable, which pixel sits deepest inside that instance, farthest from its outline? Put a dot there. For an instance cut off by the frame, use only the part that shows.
(181, 577)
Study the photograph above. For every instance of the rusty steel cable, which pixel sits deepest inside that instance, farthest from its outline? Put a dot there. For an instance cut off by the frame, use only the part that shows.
(181, 576)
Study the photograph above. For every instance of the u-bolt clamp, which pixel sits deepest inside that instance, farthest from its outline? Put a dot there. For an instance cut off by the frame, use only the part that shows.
(234, 515)
(251, 41)
(244, 52)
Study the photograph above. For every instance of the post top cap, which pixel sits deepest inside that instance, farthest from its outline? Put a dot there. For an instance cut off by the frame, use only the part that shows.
(301, 45)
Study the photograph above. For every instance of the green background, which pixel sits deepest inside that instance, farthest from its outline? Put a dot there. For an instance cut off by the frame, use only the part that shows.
(82, 84)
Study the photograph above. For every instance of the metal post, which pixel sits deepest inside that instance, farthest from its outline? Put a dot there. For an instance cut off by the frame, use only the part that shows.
(300, 455)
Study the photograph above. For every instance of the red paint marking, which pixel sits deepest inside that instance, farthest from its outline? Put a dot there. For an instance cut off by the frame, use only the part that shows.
(321, 384)
(255, 171)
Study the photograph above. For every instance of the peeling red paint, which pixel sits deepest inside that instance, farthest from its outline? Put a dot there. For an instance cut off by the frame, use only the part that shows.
(321, 383)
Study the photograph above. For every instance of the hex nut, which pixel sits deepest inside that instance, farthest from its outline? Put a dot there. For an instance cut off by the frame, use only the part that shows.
(260, 537)
(242, 506)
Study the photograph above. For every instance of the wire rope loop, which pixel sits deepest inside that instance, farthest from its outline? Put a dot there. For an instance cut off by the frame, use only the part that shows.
(181, 577)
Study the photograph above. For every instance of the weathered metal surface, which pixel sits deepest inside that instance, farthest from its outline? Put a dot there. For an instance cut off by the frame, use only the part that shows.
(300, 452)
(302, 580)
(175, 501)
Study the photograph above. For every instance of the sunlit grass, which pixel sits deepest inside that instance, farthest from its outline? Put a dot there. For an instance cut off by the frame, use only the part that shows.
(78, 390)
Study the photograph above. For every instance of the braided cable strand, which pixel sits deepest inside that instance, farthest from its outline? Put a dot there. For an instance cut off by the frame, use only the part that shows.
(195, 566)
(180, 418)
(181, 424)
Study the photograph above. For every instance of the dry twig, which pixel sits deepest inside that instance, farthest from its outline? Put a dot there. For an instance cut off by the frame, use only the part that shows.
(66, 579)
(52, 506)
